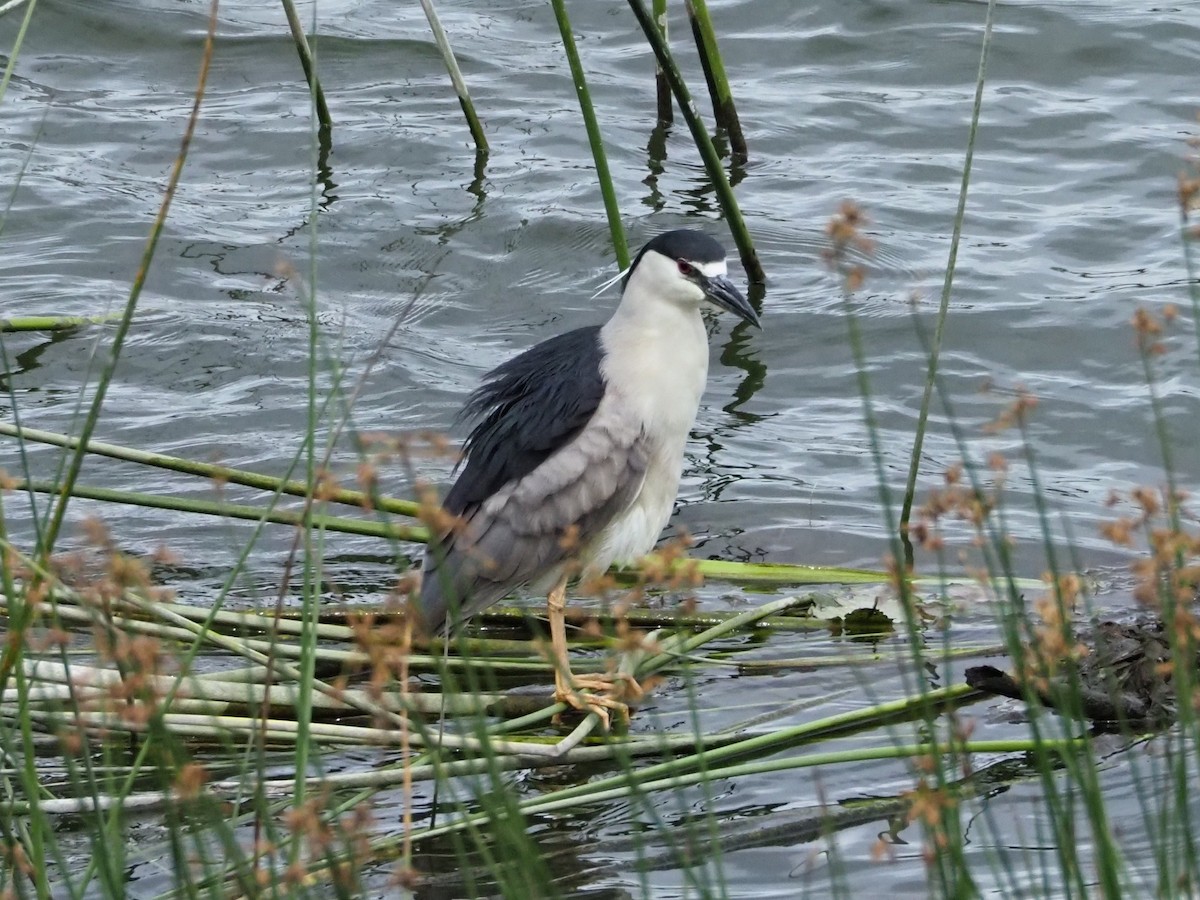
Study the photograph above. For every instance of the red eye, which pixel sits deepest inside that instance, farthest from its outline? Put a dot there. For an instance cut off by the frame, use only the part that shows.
(686, 268)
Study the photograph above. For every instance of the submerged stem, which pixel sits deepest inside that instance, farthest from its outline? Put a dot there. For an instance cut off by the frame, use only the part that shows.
(712, 161)
(456, 76)
(308, 63)
(724, 111)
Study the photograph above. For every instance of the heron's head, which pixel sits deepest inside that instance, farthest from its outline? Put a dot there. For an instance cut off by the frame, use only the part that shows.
(686, 268)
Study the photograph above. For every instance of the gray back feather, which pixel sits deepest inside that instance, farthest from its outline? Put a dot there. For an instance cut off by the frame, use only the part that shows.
(518, 534)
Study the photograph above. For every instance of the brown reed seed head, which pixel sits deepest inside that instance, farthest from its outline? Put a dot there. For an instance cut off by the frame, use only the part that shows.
(70, 739)
(1052, 641)
(15, 857)
(845, 235)
(669, 567)
(1015, 414)
(1148, 329)
(190, 780)
(1119, 531)
(387, 643)
(928, 805)
(569, 541)
(358, 824)
(430, 512)
(1172, 569)
(1189, 192)
(327, 485)
(367, 477)
(386, 446)
(406, 877)
(307, 821)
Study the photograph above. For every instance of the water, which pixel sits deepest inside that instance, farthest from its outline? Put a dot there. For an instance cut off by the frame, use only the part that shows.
(1071, 224)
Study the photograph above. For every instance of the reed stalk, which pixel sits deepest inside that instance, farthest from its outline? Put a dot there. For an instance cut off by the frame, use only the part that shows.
(456, 77)
(724, 110)
(308, 64)
(949, 863)
(612, 208)
(708, 153)
(662, 87)
(910, 489)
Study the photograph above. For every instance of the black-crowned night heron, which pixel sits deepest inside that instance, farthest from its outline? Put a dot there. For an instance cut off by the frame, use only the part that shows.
(576, 457)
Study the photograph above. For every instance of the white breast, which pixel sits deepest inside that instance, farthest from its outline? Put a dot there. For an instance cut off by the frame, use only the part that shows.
(657, 366)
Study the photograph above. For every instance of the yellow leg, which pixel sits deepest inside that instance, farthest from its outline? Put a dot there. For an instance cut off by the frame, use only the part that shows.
(567, 685)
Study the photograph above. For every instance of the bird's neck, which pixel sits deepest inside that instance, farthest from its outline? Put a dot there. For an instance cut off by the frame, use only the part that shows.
(657, 355)
(657, 329)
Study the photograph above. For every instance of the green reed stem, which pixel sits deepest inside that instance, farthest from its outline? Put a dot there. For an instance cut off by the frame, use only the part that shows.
(662, 87)
(996, 550)
(712, 161)
(724, 111)
(216, 473)
(748, 574)
(53, 323)
(232, 511)
(456, 77)
(308, 63)
(557, 800)
(611, 208)
(914, 465)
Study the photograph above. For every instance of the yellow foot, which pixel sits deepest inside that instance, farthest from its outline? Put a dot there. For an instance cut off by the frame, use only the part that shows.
(610, 694)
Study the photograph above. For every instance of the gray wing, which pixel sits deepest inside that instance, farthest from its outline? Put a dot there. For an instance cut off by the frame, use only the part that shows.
(524, 530)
